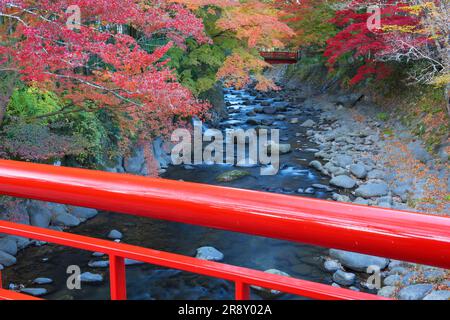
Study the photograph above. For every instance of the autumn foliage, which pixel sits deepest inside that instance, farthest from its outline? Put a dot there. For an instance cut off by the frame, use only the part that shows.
(404, 34)
(95, 62)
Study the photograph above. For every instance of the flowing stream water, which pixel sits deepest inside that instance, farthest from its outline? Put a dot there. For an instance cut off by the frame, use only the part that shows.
(153, 282)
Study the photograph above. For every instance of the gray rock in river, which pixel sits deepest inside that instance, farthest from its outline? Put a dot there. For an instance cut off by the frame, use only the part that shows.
(98, 254)
(358, 170)
(332, 265)
(91, 277)
(410, 277)
(376, 174)
(269, 110)
(42, 281)
(37, 292)
(82, 213)
(131, 262)
(438, 295)
(8, 245)
(253, 121)
(343, 181)
(343, 160)
(22, 242)
(316, 165)
(40, 214)
(232, 175)
(415, 291)
(209, 253)
(398, 270)
(322, 187)
(65, 219)
(372, 189)
(6, 259)
(270, 292)
(392, 280)
(357, 261)
(344, 278)
(115, 234)
(361, 201)
(387, 292)
(56, 208)
(340, 197)
(434, 275)
(308, 123)
(99, 264)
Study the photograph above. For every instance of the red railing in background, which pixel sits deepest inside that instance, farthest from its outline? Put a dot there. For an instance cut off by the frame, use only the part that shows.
(280, 57)
(383, 232)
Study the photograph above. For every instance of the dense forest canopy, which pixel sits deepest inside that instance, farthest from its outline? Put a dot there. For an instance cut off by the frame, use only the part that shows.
(85, 78)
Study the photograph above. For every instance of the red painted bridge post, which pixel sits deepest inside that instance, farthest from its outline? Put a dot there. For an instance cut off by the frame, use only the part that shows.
(242, 291)
(117, 274)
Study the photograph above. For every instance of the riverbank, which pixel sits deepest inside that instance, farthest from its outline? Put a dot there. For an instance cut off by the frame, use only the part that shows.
(376, 162)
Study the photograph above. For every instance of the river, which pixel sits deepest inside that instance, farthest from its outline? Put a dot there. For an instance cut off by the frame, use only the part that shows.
(152, 282)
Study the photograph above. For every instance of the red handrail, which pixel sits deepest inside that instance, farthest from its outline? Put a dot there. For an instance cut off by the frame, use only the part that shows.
(396, 234)
(384, 232)
(242, 277)
(12, 295)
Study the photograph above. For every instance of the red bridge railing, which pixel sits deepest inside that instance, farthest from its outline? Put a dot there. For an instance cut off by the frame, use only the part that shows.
(280, 57)
(395, 234)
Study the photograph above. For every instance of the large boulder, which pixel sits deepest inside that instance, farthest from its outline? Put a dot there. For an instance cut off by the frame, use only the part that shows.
(343, 181)
(357, 261)
(372, 189)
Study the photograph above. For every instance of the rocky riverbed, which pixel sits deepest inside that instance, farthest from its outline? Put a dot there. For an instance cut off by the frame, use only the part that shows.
(332, 148)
